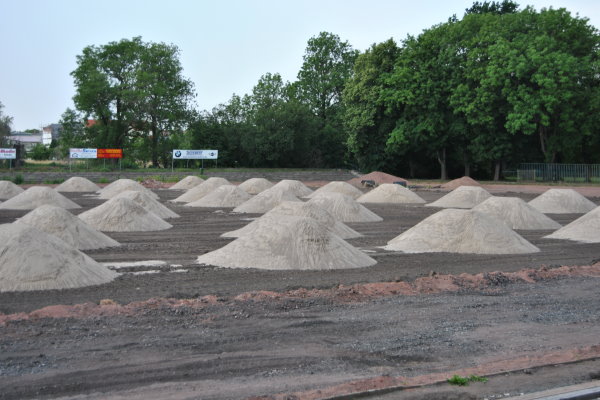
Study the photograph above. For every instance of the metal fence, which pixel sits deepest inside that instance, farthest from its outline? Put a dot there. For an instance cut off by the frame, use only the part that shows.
(541, 172)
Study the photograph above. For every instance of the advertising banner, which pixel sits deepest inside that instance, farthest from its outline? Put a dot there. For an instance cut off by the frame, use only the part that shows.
(8, 154)
(195, 154)
(110, 153)
(83, 153)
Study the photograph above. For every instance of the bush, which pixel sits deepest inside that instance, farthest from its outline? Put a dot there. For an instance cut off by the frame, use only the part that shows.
(39, 152)
(18, 179)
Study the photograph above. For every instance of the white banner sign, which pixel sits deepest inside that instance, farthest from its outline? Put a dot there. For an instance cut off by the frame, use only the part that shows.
(83, 153)
(8, 154)
(195, 154)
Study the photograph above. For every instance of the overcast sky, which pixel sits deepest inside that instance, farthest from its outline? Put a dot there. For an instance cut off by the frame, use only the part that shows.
(226, 45)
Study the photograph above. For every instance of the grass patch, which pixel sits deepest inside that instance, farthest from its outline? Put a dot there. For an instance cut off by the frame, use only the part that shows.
(54, 181)
(465, 380)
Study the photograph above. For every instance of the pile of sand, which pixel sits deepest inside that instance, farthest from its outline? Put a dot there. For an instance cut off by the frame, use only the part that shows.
(223, 196)
(149, 203)
(122, 185)
(298, 209)
(77, 184)
(297, 188)
(187, 183)
(464, 181)
(9, 190)
(338, 187)
(123, 215)
(294, 243)
(34, 260)
(562, 201)
(516, 213)
(266, 200)
(255, 185)
(584, 229)
(59, 222)
(377, 177)
(345, 208)
(461, 231)
(462, 197)
(37, 196)
(198, 192)
(391, 193)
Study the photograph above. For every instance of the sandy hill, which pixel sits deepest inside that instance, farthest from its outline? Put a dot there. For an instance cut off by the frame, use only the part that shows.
(149, 203)
(255, 185)
(187, 183)
(297, 188)
(121, 185)
(266, 200)
(201, 190)
(391, 193)
(562, 201)
(338, 187)
(77, 184)
(123, 215)
(516, 213)
(345, 208)
(377, 177)
(464, 181)
(37, 196)
(9, 190)
(462, 197)
(585, 229)
(223, 196)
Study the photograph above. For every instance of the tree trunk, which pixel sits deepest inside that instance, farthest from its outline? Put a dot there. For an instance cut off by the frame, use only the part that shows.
(441, 156)
(497, 170)
(155, 133)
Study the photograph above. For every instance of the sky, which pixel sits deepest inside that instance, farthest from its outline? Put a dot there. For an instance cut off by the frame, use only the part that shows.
(225, 45)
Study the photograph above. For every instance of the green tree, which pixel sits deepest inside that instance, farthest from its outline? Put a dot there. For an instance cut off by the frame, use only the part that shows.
(72, 134)
(39, 152)
(5, 124)
(493, 7)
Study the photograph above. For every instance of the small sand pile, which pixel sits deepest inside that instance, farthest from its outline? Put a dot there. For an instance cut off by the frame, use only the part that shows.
(338, 187)
(77, 184)
(345, 208)
(461, 231)
(255, 185)
(377, 177)
(198, 192)
(297, 188)
(149, 203)
(122, 185)
(516, 213)
(223, 196)
(462, 197)
(123, 215)
(391, 193)
(585, 229)
(59, 222)
(266, 200)
(37, 196)
(187, 183)
(34, 260)
(562, 201)
(9, 190)
(298, 209)
(464, 181)
(294, 243)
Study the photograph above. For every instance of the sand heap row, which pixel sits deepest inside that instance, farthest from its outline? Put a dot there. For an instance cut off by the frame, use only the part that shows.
(37, 196)
(562, 201)
(391, 193)
(516, 213)
(187, 183)
(345, 208)
(266, 200)
(122, 185)
(201, 190)
(223, 196)
(121, 214)
(255, 185)
(585, 229)
(77, 184)
(462, 197)
(9, 190)
(337, 187)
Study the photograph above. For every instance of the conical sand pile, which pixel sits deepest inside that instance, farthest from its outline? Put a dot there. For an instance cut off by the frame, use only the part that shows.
(123, 215)
(562, 201)
(464, 181)
(345, 208)
(391, 193)
(34, 260)
(187, 183)
(338, 187)
(122, 185)
(295, 243)
(9, 190)
(59, 222)
(297, 188)
(377, 177)
(461, 231)
(77, 184)
(37, 196)
(223, 196)
(198, 192)
(584, 229)
(515, 213)
(266, 200)
(149, 203)
(462, 197)
(255, 185)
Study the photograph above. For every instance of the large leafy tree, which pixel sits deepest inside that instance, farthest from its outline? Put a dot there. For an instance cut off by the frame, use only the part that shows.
(5, 123)
(72, 133)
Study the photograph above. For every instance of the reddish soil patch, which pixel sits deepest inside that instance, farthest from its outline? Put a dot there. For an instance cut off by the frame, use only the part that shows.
(378, 177)
(464, 181)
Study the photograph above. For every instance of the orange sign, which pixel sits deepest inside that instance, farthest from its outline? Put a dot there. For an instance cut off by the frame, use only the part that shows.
(110, 153)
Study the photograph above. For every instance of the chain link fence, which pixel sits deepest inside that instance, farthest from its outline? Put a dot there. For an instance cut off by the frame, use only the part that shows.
(545, 172)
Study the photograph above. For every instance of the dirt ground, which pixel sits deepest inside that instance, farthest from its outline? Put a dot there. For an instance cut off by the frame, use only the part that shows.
(183, 331)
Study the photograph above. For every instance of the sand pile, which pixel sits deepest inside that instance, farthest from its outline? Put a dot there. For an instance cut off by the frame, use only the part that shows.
(461, 231)
(584, 229)
(122, 185)
(77, 184)
(223, 196)
(73, 231)
(345, 208)
(9, 190)
(297, 188)
(123, 215)
(255, 185)
(516, 213)
(34, 260)
(294, 243)
(37, 196)
(462, 197)
(266, 200)
(198, 192)
(391, 193)
(464, 181)
(298, 209)
(338, 187)
(149, 203)
(377, 177)
(562, 201)
(187, 183)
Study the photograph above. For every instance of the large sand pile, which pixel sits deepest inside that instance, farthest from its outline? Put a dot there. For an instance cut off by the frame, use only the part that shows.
(516, 213)
(266, 200)
(123, 215)
(391, 193)
(37, 196)
(9, 190)
(562, 201)
(464, 181)
(462, 197)
(297, 188)
(584, 229)
(461, 231)
(223, 196)
(345, 208)
(255, 185)
(34, 260)
(187, 183)
(377, 177)
(294, 243)
(77, 184)
(149, 203)
(122, 185)
(198, 192)
(59, 222)
(338, 187)
(298, 209)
